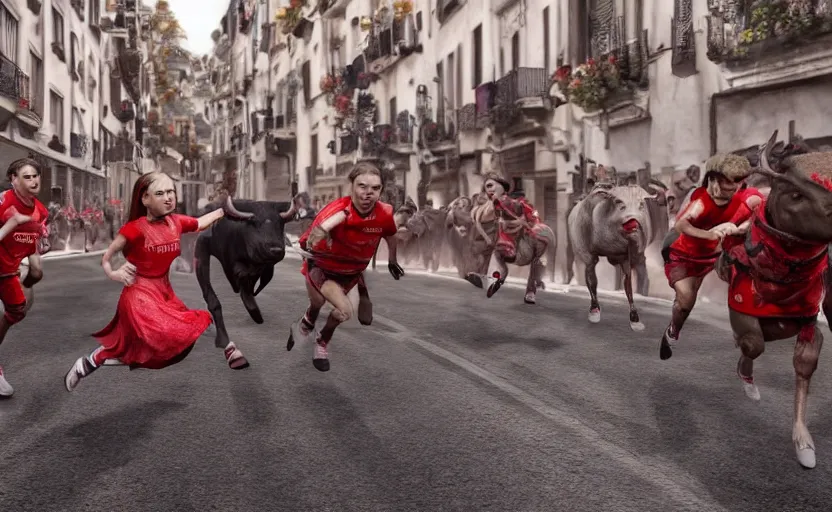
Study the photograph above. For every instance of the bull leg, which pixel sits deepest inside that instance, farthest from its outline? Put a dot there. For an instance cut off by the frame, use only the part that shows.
(642, 279)
(592, 285)
(247, 296)
(635, 322)
(806, 355)
(531, 282)
(365, 306)
(750, 338)
(202, 266)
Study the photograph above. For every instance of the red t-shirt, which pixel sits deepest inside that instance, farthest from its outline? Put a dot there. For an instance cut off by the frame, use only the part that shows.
(152, 246)
(712, 216)
(743, 213)
(23, 241)
(354, 241)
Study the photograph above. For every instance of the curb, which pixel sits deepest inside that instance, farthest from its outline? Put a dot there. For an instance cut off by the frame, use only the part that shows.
(73, 255)
(552, 288)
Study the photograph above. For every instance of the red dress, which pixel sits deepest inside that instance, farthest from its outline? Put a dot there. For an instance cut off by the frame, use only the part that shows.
(354, 243)
(694, 257)
(506, 242)
(744, 212)
(152, 327)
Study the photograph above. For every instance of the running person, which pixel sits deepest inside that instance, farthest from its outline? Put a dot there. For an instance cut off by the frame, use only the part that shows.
(152, 327)
(342, 240)
(24, 223)
(692, 247)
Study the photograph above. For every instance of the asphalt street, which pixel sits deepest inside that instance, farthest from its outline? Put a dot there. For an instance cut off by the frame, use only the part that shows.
(449, 401)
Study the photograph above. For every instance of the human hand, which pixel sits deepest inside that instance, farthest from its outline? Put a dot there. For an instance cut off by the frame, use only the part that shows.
(395, 270)
(316, 235)
(725, 229)
(126, 274)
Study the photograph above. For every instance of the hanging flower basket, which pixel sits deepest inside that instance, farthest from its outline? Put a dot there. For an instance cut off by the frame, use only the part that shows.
(591, 85)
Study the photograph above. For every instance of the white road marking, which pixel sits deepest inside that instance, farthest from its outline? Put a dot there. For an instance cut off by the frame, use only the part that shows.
(678, 484)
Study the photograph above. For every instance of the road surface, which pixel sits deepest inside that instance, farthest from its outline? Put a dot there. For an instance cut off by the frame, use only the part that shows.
(450, 401)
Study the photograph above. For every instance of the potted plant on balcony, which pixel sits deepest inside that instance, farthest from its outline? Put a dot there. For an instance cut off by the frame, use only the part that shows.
(291, 18)
(592, 85)
(774, 22)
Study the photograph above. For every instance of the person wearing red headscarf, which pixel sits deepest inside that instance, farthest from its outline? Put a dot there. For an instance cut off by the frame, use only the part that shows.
(152, 327)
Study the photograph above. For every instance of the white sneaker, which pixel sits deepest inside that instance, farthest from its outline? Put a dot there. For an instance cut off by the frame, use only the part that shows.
(79, 370)
(6, 389)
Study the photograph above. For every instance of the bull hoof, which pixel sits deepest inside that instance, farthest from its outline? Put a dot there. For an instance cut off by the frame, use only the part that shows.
(806, 456)
(474, 279)
(290, 343)
(530, 298)
(635, 322)
(256, 315)
(365, 312)
(665, 350)
(239, 363)
(322, 365)
(594, 315)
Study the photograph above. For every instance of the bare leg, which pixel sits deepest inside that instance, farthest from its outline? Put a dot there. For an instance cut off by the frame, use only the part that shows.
(806, 354)
(342, 311)
(749, 337)
(627, 271)
(302, 329)
(686, 291)
(365, 305)
(592, 285)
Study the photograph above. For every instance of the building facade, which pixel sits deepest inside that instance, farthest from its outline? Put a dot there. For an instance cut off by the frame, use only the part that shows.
(439, 93)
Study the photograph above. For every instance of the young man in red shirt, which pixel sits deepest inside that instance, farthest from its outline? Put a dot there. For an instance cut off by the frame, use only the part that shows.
(341, 243)
(23, 220)
(715, 212)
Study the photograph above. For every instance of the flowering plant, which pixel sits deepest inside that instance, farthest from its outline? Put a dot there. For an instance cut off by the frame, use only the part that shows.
(330, 83)
(591, 84)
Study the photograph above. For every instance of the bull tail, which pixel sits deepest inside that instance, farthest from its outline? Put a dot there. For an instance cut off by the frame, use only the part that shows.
(265, 278)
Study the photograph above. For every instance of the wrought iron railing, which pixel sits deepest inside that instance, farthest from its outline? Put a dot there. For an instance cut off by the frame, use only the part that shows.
(740, 30)
(683, 62)
(403, 130)
(632, 59)
(77, 145)
(349, 143)
(467, 118)
(9, 85)
(522, 83)
(121, 151)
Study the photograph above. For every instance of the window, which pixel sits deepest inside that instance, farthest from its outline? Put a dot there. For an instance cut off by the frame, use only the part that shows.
(91, 83)
(546, 40)
(77, 122)
(450, 86)
(476, 57)
(8, 34)
(440, 95)
(458, 89)
(307, 89)
(392, 109)
(36, 84)
(56, 114)
(515, 50)
(57, 28)
(95, 13)
(313, 162)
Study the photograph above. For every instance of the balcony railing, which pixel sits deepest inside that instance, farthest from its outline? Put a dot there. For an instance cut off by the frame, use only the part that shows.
(78, 145)
(9, 84)
(467, 118)
(520, 84)
(349, 143)
(121, 151)
(403, 130)
(776, 27)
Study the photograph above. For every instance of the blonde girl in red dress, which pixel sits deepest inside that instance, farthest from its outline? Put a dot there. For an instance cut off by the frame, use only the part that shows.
(152, 327)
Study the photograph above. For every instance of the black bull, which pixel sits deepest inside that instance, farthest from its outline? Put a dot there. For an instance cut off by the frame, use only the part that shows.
(247, 251)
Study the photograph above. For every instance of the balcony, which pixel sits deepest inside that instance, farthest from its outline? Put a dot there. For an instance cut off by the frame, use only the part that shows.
(778, 42)
(126, 113)
(121, 151)
(385, 47)
(348, 146)
(78, 145)
(28, 108)
(402, 136)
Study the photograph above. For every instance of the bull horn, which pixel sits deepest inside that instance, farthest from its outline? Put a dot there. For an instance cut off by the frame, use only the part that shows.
(232, 211)
(765, 154)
